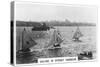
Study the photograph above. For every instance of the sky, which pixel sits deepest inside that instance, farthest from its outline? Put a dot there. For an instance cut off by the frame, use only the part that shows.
(29, 11)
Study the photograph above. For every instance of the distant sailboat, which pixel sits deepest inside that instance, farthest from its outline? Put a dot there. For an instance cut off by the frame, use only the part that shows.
(77, 35)
(26, 44)
(56, 40)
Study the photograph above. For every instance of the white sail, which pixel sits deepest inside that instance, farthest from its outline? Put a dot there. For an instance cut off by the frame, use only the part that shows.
(55, 39)
(77, 34)
(27, 40)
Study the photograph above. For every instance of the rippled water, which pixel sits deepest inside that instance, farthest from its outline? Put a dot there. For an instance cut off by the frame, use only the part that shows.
(70, 48)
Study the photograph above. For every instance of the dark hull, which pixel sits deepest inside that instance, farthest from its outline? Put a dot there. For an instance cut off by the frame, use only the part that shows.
(40, 28)
(77, 40)
(85, 55)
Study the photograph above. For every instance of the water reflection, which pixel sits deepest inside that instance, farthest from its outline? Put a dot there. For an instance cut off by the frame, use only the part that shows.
(33, 56)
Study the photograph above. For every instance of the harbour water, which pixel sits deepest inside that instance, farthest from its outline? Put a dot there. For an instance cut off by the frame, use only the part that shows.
(69, 47)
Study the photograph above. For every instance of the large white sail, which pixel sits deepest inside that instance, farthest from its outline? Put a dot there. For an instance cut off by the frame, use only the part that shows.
(27, 41)
(55, 39)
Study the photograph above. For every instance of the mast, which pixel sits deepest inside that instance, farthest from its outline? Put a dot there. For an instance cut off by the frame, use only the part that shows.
(20, 47)
(23, 38)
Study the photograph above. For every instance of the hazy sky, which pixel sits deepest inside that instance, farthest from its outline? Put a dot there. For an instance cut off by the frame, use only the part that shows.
(39, 12)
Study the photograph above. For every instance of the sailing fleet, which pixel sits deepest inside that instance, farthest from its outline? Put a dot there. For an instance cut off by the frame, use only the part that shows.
(55, 41)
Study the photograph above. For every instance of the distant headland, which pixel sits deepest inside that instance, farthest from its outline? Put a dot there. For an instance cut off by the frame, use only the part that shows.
(53, 23)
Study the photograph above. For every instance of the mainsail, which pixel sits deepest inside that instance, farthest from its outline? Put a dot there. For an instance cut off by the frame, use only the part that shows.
(27, 41)
(55, 39)
(77, 34)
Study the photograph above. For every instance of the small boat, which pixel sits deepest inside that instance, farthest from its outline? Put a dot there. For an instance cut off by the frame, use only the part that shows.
(77, 35)
(85, 55)
(56, 40)
(25, 45)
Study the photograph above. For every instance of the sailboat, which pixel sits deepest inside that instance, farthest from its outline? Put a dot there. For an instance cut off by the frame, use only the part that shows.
(56, 40)
(26, 43)
(77, 35)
